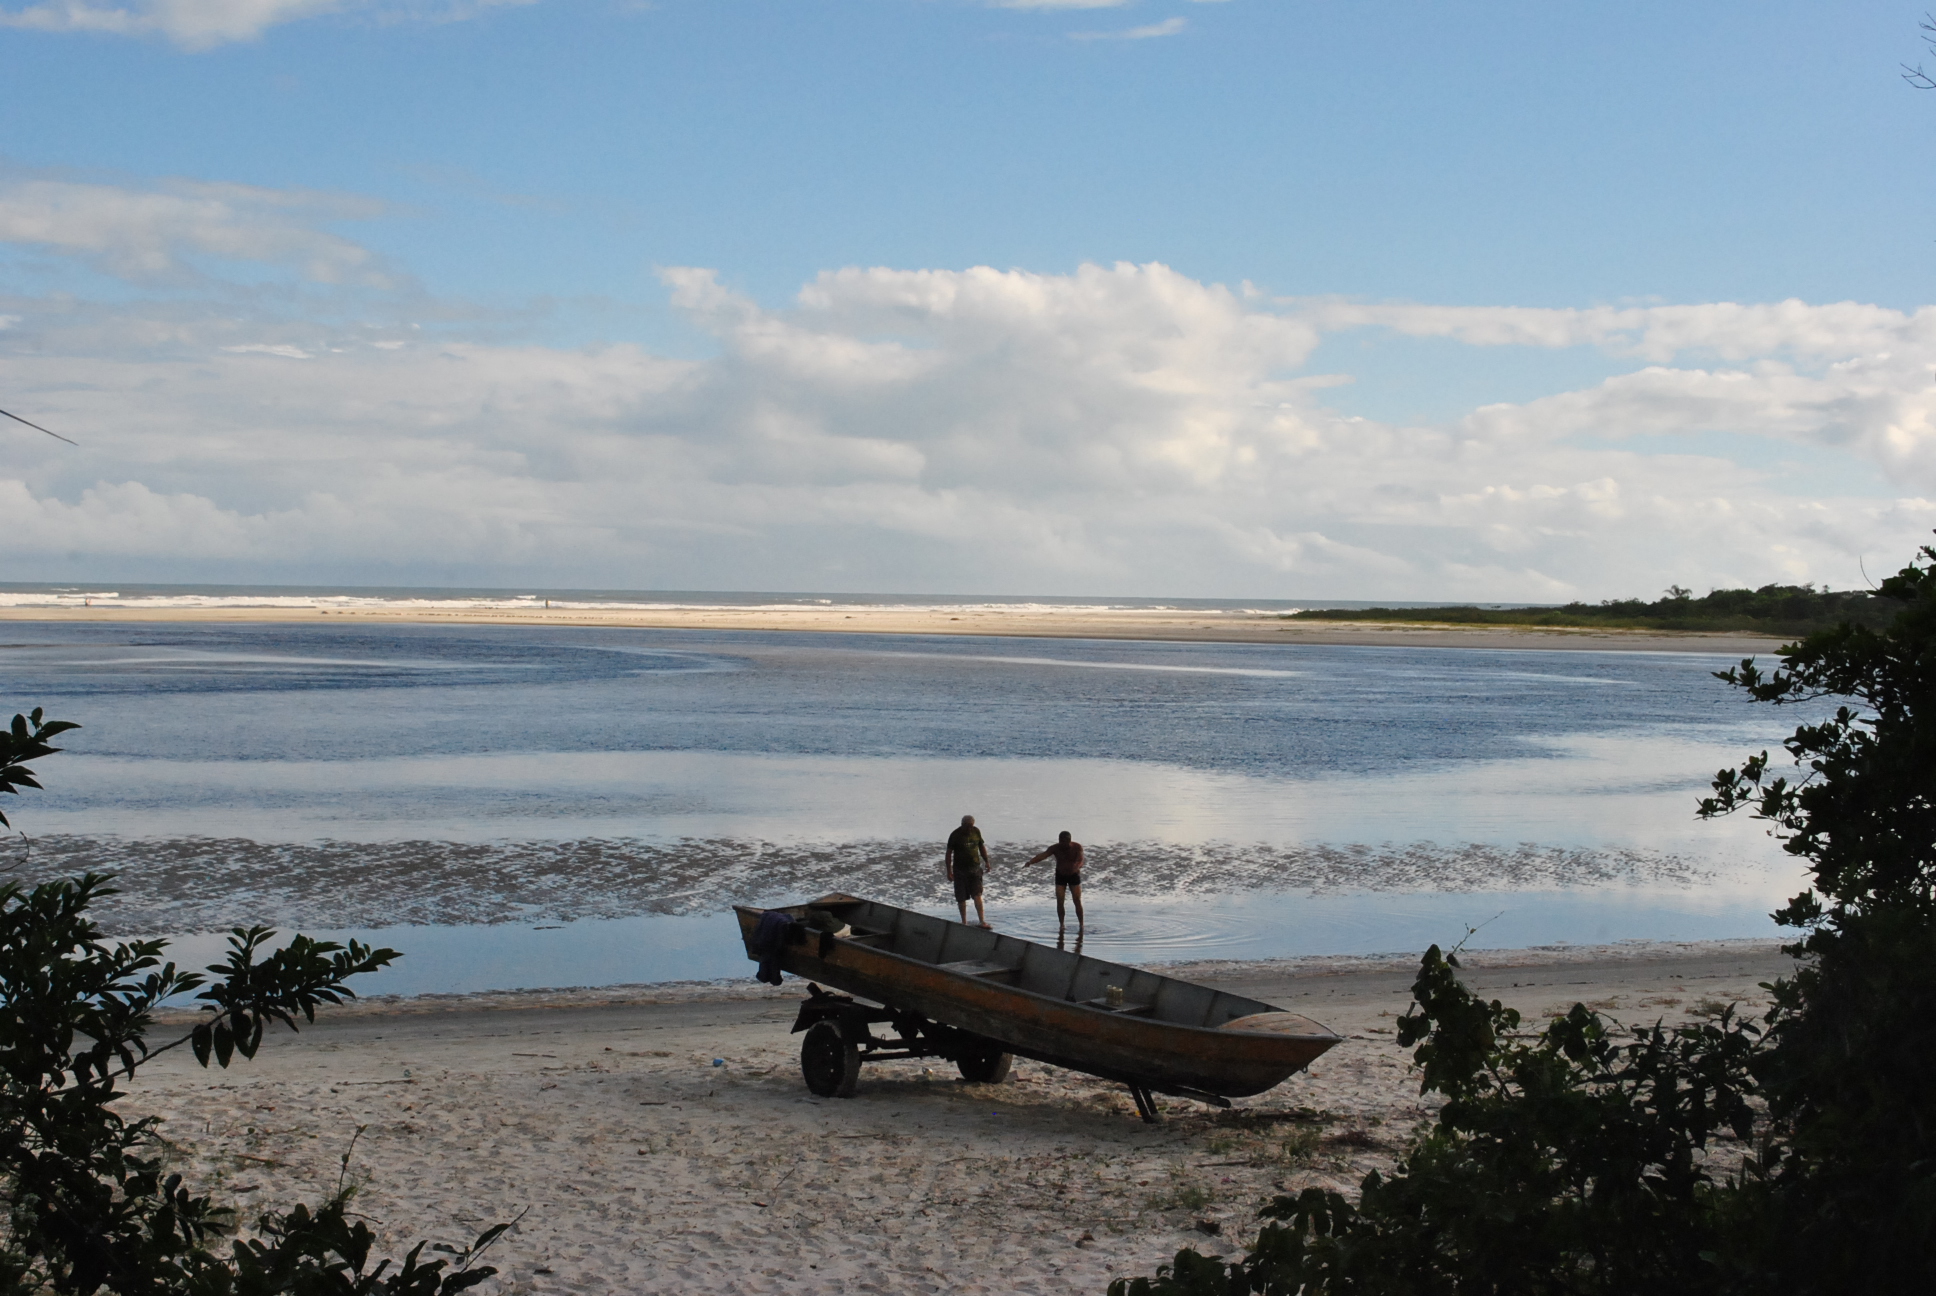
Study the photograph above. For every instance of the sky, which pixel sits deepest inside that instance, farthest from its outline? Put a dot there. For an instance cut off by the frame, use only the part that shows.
(1194, 298)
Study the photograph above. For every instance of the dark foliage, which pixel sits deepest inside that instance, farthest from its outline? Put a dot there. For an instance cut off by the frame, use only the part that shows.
(26, 740)
(87, 1204)
(1570, 1162)
(1582, 1160)
(1850, 1197)
(1772, 609)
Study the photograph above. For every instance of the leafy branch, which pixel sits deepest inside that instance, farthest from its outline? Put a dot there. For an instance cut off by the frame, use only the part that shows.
(84, 1203)
(26, 740)
(1578, 1162)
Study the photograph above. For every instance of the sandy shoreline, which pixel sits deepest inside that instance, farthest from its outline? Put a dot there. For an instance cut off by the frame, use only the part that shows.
(1018, 622)
(649, 1168)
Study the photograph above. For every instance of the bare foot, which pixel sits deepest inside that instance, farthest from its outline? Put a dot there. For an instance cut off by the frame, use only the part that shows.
(988, 926)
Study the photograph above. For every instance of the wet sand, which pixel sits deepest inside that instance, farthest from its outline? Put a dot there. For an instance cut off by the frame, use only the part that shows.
(201, 884)
(645, 1167)
(1020, 621)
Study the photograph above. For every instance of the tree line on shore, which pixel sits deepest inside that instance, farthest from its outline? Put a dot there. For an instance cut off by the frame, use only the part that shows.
(1786, 610)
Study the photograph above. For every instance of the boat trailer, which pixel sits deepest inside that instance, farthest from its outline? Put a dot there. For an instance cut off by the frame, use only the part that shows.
(840, 1038)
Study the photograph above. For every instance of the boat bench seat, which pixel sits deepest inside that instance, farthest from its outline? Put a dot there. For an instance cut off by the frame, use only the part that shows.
(1126, 1008)
(980, 968)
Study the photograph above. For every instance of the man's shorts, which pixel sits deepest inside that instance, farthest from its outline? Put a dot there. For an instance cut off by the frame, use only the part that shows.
(1068, 879)
(967, 884)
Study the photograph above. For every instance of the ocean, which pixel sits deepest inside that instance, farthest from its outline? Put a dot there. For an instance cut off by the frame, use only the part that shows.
(522, 807)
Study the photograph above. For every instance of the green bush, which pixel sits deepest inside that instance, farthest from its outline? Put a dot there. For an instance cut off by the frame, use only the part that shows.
(1582, 1160)
(85, 1205)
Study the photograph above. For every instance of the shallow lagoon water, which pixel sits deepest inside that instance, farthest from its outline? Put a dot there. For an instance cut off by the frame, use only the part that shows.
(244, 773)
(706, 947)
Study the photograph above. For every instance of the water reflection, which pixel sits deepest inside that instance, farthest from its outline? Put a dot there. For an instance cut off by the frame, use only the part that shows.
(468, 959)
(458, 776)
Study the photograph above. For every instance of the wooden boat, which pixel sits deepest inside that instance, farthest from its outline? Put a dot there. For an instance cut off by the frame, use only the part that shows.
(980, 996)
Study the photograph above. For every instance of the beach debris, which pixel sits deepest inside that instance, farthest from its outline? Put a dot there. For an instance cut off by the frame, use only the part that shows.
(719, 1062)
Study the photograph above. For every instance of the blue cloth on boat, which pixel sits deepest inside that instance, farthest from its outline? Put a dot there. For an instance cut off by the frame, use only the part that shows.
(769, 938)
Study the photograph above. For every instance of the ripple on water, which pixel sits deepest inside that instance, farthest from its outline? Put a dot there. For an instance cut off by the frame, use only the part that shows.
(1143, 933)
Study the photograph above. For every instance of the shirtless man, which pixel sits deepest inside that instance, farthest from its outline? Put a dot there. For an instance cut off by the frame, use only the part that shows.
(965, 861)
(1068, 877)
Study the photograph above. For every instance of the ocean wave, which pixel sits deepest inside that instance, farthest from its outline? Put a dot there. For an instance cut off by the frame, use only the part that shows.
(75, 598)
(200, 884)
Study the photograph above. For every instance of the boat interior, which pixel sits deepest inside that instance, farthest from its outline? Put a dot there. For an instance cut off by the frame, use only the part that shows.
(1026, 965)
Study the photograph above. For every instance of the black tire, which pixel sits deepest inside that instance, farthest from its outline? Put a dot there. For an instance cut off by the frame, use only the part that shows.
(829, 1061)
(986, 1063)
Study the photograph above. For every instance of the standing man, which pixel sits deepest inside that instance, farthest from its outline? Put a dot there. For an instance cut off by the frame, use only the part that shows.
(966, 860)
(1068, 877)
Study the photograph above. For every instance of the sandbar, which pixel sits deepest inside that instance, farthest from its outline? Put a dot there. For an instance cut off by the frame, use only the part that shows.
(1006, 621)
(660, 1139)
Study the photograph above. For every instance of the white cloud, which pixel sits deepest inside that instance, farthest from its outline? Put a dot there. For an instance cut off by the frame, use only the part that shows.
(156, 234)
(204, 24)
(1151, 31)
(1119, 429)
(284, 350)
(1834, 331)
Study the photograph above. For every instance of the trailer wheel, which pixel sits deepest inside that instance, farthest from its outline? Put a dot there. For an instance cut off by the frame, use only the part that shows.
(829, 1061)
(985, 1064)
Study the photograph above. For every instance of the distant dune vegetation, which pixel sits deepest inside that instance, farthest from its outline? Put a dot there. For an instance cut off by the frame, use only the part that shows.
(1772, 609)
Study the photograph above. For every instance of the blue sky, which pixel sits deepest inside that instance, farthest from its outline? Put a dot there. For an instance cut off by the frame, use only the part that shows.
(701, 265)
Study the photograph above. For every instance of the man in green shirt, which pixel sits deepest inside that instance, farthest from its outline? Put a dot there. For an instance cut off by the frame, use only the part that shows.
(966, 860)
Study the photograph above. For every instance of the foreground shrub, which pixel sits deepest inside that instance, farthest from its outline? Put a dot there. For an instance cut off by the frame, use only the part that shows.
(86, 1204)
(1583, 1160)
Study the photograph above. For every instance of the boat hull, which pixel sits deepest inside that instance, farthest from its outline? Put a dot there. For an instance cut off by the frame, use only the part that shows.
(1171, 1035)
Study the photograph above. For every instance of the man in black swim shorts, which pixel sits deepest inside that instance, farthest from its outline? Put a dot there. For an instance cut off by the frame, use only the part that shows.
(965, 861)
(1068, 877)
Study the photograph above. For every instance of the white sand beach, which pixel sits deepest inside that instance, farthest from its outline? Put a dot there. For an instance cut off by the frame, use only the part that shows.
(643, 1165)
(1047, 621)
